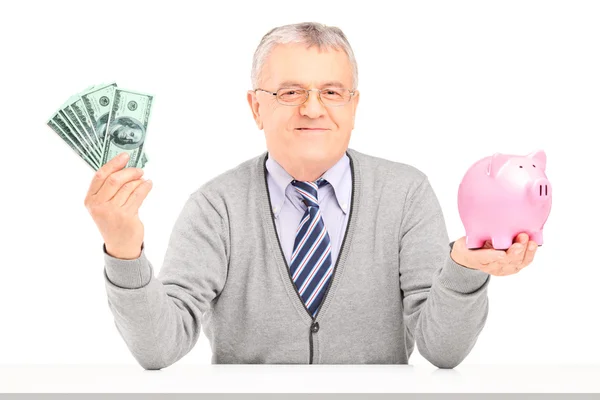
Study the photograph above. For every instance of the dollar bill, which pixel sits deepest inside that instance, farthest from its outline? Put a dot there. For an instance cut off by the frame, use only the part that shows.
(127, 126)
(98, 103)
(80, 129)
(67, 136)
(77, 107)
(62, 121)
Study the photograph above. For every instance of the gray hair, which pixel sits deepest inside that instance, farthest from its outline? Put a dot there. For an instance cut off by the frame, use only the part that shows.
(310, 33)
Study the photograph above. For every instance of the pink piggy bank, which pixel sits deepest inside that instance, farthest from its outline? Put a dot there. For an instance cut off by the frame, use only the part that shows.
(503, 195)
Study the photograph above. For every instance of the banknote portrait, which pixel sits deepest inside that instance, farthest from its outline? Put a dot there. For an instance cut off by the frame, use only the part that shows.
(126, 132)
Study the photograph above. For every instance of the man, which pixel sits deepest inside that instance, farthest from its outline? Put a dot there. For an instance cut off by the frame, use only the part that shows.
(311, 252)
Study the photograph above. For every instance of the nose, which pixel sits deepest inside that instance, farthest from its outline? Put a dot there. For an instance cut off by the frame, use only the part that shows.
(541, 190)
(313, 108)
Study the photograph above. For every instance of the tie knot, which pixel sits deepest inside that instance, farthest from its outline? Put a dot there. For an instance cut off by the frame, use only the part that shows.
(308, 190)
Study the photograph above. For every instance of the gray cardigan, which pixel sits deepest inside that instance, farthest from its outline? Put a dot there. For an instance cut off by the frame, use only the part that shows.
(394, 282)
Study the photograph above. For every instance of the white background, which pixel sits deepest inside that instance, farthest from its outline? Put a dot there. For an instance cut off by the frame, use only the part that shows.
(442, 85)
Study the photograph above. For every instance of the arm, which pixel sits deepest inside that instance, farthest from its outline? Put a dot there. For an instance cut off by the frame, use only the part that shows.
(160, 318)
(445, 303)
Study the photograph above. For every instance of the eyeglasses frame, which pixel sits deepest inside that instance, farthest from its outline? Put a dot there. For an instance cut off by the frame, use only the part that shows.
(352, 93)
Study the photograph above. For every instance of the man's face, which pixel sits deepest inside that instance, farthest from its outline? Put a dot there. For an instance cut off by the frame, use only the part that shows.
(129, 135)
(308, 68)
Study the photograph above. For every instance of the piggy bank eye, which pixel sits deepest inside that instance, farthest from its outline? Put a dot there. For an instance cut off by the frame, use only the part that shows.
(533, 165)
(520, 166)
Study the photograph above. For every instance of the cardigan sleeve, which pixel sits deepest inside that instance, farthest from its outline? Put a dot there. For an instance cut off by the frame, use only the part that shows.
(445, 303)
(160, 318)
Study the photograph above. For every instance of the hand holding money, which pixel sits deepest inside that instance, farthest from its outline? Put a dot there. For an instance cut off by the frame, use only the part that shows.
(106, 126)
(113, 200)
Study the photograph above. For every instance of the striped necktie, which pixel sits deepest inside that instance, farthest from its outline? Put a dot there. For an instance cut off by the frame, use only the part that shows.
(311, 265)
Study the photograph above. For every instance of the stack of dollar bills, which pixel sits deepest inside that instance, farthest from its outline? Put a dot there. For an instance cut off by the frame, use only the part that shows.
(104, 121)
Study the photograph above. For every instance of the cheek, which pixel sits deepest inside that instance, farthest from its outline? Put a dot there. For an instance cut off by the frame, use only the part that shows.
(280, 119)
(342, 120)
(273, 109)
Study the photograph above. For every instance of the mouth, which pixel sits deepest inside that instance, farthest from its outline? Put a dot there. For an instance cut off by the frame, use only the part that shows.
(311, 129)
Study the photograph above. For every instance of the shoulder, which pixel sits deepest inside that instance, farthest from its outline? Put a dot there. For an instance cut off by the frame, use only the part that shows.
(235, 182)
(385, 171)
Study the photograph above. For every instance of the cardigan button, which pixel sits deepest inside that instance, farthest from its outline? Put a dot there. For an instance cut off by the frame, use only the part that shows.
(315, 327)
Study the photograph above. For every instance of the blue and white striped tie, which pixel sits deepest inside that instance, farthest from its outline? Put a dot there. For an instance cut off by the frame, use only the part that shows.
(311, 265)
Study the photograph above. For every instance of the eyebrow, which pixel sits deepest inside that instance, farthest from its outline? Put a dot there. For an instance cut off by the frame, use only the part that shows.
(328, 83)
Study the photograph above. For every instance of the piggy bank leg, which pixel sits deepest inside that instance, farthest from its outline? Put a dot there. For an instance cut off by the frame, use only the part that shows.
(502, 242)
(537, 237)
(475, 241)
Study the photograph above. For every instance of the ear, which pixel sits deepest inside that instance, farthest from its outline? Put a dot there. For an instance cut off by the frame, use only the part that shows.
(254, 107)
(496, 162)
(539, 156)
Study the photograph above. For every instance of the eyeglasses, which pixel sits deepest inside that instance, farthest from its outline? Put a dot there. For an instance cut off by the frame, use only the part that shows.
(330, 97)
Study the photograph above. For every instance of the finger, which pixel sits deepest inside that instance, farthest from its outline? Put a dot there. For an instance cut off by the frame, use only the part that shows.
(513, 260)
(516, 252)
(487, 245)
(522, 238)
(123, 194)
(531, 249)
(138, 195)
(115, 164)
(114, 182)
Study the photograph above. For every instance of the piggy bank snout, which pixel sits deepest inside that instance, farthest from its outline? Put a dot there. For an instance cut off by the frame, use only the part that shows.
(541, 190)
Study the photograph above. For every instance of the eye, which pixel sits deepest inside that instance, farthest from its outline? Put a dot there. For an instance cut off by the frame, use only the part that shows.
(520, 166)
(533, 165)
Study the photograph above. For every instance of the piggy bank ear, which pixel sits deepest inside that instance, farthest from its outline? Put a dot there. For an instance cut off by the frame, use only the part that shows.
(496, 162)
(539, 157)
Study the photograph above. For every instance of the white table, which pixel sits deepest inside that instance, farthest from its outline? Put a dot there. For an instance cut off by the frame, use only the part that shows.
(104, 378)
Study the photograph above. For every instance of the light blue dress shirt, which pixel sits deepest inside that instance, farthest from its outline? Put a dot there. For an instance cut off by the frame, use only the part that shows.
(288, 207)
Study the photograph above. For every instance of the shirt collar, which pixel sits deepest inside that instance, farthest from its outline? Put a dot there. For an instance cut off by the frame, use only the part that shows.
(338, 176)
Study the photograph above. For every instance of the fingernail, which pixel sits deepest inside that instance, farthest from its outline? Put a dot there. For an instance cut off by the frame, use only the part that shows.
(124, 155)
(531, 246)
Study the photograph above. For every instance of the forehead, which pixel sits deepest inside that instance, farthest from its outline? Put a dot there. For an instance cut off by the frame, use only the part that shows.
(297, 65)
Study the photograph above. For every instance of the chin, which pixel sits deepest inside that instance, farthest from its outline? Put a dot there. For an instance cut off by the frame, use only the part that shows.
(314, 154)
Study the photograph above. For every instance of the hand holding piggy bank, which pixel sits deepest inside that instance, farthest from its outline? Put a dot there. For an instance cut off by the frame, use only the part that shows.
(503, 195)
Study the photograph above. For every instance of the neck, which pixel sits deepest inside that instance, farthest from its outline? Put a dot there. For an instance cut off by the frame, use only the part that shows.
(301, 170)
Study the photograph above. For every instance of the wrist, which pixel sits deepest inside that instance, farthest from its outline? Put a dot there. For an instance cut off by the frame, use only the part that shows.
(457, 256)
(123, 253)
